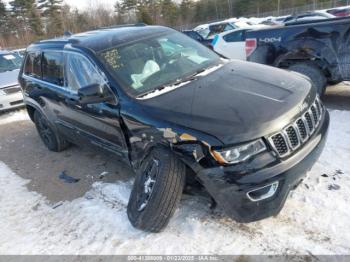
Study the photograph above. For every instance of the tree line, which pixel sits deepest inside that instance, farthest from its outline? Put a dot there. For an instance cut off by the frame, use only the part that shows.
(25, 21)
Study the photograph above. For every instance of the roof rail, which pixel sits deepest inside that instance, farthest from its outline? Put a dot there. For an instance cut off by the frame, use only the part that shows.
(118, 26)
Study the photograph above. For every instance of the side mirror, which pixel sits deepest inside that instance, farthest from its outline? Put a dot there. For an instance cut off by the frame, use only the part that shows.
(94, 93)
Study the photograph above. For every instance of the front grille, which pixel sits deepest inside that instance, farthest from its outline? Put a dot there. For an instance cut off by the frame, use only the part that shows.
(297, 133)
(11, 89)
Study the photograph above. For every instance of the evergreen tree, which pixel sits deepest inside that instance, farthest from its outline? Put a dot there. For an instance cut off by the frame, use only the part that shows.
(52, 12)
(170, 12)
(185, 10)
(26, 18)
(3, 18)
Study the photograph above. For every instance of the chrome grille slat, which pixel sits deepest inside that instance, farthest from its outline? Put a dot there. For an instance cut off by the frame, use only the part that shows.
(302, 130)
(292, 137)
(309, 121)
(297, 133)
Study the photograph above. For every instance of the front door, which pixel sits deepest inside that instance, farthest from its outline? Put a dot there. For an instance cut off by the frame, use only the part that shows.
(96, 124)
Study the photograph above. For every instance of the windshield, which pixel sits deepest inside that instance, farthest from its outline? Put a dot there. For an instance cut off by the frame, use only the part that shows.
(9, 62)
(149, 64)
(204, 32)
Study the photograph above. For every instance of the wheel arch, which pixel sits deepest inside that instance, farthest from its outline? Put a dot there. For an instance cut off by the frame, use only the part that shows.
(312, 51)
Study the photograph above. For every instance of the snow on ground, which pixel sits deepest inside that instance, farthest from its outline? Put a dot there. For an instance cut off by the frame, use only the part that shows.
(14, 116)
(315, 219)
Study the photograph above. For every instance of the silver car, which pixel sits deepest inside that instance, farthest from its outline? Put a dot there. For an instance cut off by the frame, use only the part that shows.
(10, 91)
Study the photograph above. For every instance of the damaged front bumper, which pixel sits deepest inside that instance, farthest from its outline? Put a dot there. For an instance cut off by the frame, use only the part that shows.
(261, 194)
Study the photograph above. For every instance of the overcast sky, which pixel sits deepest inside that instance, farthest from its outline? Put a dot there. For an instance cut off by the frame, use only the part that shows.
(83, 4)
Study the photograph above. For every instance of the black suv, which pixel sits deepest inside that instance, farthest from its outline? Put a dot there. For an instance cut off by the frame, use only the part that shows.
(177, 113)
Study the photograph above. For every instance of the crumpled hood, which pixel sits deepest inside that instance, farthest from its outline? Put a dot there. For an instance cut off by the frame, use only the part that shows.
(9, 78)
(238, 102)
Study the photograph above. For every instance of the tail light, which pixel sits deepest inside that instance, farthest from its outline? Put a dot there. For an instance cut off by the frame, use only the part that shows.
(250, 46)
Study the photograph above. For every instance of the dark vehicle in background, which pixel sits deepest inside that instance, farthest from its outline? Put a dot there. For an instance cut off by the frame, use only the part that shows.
(340, 12)
(10, 91)
(196, 36)
(308, 16)
(177, 113)
(319, 50)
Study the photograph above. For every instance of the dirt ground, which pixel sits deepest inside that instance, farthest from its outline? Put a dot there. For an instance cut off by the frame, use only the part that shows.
(22, 150)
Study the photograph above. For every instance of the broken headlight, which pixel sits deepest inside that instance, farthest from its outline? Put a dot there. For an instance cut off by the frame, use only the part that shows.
(240, 153)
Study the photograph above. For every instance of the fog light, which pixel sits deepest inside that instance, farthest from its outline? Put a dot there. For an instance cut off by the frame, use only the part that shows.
(263, 192)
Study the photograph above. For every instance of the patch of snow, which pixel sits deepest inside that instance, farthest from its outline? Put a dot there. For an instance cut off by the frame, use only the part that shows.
(314, 220)
(162, 91)
(210, 70)
(15, 116)
(172, 87)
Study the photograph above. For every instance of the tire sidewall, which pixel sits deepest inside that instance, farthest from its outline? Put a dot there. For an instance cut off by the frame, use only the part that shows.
(318, 80)
(146, 218)
(53, 146)
(135, 216)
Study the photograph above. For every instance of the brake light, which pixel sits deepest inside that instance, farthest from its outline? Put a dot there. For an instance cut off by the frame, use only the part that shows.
(250, 46)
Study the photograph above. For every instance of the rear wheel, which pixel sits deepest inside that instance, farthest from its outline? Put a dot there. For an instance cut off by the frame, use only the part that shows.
(314, 73)
(157, 191)
(52, 140)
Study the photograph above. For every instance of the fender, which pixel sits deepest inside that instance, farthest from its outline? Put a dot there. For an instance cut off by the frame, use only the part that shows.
(142, 138)
(36, 105)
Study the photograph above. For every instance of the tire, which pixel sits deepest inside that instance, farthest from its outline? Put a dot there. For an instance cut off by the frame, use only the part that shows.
(164, 176)
(314, 73)
(52, 140)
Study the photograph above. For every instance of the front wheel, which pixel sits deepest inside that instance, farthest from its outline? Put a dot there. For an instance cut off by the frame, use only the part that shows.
(314, 73)
(157, 191)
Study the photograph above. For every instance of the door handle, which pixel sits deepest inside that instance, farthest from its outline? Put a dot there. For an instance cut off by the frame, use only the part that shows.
(71, 101)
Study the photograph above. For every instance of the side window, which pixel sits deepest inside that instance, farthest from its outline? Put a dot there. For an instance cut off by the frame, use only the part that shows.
(234, 37)
(32, 65)
(228, 27)
(52, 67)
(80, 72)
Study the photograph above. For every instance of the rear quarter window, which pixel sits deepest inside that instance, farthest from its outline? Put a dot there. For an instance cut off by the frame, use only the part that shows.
(53, 67)
(32, 66)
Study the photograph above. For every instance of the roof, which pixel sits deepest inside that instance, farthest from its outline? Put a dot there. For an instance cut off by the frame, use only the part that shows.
(105, 38)
(4, 52)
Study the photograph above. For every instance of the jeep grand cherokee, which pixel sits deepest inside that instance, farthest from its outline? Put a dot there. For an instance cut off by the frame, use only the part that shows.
(173, 109)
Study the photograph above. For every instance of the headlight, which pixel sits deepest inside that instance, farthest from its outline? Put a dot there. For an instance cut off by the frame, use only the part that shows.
(240, 153)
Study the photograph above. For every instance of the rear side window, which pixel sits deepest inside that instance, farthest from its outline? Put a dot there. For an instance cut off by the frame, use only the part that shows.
(32, 65)
(52, 67)
(235, 36)
(81, 72)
